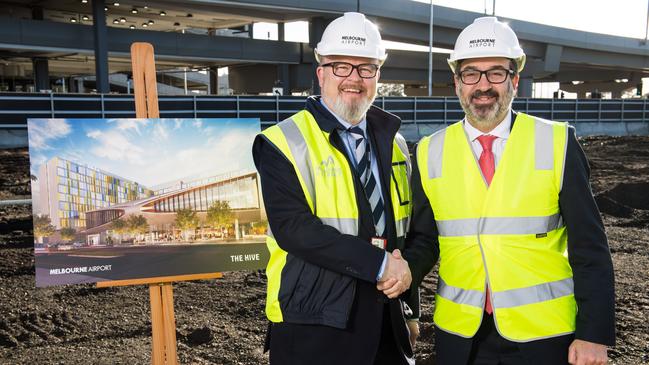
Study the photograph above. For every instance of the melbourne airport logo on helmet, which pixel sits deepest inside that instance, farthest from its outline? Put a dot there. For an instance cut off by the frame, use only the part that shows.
(328, 168)
(482, 42)
(353, 40)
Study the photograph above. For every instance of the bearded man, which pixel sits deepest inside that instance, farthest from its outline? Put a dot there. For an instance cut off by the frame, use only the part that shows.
(503, 200)
(335, 182)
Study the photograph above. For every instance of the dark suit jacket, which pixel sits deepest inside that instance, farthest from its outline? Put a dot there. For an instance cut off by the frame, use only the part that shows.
(588, 254)
(302, 234)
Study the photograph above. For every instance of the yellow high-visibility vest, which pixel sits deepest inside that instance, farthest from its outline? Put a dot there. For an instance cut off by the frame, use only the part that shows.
(327, 182)
(509, 235)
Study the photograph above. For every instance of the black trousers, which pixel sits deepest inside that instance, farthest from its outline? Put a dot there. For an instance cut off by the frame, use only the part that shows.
(295, 344)
(490, 348)
(387, 353)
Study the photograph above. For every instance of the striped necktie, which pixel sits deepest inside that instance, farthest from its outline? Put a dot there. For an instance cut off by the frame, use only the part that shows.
(364, 170)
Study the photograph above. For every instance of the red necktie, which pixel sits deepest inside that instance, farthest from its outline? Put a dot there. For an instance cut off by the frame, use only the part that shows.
(488, 167)
(487, 161)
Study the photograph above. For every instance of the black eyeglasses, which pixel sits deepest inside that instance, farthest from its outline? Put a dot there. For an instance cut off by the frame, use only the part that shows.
(344, 69)
(494, 76)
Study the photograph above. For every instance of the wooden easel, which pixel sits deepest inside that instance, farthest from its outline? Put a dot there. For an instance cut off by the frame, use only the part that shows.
(163, 321)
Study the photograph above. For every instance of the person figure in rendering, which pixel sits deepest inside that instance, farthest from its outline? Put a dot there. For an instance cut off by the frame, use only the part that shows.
(503, 200)
(335, 182)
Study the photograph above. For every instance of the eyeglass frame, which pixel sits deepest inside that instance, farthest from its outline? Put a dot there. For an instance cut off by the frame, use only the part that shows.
(353, 67)
(510, 73)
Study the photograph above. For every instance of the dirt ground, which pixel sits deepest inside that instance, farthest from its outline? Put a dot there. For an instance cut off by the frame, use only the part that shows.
(221, 321)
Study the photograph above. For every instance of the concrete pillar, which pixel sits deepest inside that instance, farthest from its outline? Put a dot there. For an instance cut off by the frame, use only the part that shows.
(236, 229)
(101, 46)
(525, 87)
(73, 85)
(280, 32)
(40, 64)
(41, 74)
(37, 13)
(283, 79)
(316, 28)
(214, 80)
(79, 85)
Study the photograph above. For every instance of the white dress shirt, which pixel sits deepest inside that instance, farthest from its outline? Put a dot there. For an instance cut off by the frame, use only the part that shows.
(501, 132)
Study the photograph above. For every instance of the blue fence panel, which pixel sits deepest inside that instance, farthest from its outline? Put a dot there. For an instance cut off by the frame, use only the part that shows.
(420, 115)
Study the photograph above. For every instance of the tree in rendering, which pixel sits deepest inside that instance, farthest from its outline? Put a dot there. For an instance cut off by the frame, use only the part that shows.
(219, 215)
(43, 227)
(137, 225)
(67, 234)
(186, 221)
(260, 227)
(120, 227)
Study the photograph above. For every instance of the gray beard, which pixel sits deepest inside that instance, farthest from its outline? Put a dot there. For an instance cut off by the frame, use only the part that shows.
(495, 113)
(353, 112)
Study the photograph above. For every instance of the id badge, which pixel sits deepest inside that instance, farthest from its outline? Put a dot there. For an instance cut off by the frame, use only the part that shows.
(379, 242)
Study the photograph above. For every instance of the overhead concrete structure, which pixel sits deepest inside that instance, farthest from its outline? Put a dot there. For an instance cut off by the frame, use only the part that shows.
(213, 33)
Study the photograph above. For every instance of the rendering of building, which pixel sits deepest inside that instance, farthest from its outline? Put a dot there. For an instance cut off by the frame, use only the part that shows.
(68, 190)
(239, 191)
(89, 200)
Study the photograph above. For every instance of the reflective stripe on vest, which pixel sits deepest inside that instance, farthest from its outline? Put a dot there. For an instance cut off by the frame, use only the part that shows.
(402, 226)
(508, 298)
(499, 225)
(543, 151)
(501, 235)
(300, 152)
(533, 294)
(326, 180)
(460, 296)
(344, 225)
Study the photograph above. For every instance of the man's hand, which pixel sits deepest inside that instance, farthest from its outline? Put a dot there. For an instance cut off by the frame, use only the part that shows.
(396, 276)
(413, 328)
(587, 353)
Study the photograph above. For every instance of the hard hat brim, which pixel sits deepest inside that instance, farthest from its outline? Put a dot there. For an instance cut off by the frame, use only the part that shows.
(520, 61)
(347, 53)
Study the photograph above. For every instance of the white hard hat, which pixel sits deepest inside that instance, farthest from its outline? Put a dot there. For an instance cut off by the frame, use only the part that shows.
(487, 37)
(351, 35)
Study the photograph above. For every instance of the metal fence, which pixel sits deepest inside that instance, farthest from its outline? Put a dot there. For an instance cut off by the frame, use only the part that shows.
(420, 115)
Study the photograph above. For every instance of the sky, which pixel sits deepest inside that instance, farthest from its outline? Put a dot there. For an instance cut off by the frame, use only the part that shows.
(148, 151)
(627, 18)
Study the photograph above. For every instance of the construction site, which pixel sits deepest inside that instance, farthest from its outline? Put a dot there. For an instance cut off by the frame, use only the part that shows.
(212, 63)
(221, 321)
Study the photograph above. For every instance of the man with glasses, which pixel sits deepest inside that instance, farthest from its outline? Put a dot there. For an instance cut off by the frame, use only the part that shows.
(503, 200)
(335, 182)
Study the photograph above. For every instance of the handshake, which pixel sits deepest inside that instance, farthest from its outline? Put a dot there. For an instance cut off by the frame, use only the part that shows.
(396, 276)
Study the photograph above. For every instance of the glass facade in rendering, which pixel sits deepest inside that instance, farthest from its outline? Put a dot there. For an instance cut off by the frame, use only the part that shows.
(80, 189)
(239, 192)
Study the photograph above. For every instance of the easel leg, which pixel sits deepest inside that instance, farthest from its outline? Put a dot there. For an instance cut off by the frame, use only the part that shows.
(169, 323)
(163, 325)
(157, 325)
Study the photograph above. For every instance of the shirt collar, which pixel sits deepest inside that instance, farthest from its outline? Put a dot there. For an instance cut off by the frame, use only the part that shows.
(501, 130)
(344, 123)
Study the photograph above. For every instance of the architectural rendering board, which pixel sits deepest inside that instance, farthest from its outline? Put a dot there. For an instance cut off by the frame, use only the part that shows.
(117, 199)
